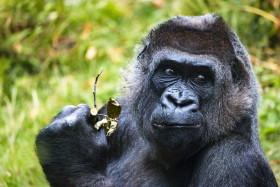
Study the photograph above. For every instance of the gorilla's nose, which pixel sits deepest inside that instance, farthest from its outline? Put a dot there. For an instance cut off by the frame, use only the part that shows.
(185, 102)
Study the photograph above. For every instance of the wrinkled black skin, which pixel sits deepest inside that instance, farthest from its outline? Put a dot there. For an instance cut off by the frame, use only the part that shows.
(164, 146)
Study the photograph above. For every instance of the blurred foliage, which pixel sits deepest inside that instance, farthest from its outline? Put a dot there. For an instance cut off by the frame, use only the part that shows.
(51, 51)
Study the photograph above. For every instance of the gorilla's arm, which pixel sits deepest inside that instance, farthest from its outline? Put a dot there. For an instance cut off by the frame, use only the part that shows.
(232, 161)
(71, 152)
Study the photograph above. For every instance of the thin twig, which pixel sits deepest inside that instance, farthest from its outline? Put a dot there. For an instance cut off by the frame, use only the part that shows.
(103, 115)
(94, 92)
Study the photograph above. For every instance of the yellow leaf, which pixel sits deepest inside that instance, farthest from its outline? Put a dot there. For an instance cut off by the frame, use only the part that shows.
(101, 123)
(86, 30)
(159, 3)
(116, 54)
(91, 53)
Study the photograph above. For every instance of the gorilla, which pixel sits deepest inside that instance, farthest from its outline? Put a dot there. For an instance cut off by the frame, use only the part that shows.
(189, 118)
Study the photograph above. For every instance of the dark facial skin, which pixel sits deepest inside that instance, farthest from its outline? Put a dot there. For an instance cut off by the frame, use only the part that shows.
(183, 83)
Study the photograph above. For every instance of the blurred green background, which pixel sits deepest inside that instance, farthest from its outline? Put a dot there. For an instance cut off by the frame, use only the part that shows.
(51, 51)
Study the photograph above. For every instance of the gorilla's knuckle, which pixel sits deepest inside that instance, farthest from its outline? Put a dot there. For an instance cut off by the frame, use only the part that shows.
(60, 124)
(71, 115)
(68, 109)
(55, 127)
(83, 110)
(84, 106)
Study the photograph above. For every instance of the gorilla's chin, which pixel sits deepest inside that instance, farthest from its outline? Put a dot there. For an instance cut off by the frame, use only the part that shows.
(173, 137)
(170, 144)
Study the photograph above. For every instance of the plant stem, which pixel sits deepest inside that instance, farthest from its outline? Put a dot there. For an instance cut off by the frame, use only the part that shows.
(94, 92)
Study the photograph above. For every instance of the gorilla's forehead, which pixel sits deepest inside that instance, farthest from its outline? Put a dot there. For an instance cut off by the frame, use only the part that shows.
(184, 58)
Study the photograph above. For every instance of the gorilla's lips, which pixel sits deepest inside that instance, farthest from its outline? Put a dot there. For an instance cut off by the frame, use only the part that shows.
(176, 125)
(175, 118)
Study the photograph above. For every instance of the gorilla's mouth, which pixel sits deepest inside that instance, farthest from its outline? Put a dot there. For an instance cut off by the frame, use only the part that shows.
(172, 118)
(175, 125)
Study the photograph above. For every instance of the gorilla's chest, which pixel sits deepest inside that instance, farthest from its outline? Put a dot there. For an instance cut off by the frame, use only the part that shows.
(133, 170)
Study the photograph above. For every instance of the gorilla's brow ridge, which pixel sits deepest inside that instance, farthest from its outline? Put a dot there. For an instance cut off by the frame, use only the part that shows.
(187, 59)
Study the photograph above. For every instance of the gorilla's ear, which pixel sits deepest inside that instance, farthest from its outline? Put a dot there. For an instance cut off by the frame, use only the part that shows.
(141, 54)
(239, 72)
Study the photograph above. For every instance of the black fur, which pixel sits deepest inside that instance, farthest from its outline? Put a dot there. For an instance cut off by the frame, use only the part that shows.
(189, 118)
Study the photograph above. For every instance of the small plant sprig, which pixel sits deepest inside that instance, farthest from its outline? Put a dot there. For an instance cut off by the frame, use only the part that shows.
(109, 122)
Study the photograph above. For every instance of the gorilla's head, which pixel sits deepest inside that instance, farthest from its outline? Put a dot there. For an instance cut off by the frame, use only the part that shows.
(191, 83)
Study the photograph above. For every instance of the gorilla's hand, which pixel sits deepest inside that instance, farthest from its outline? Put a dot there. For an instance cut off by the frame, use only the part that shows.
(71, 151)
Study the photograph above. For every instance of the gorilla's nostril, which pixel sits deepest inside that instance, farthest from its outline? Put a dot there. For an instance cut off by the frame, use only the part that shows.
(194, 110)
(172, 99)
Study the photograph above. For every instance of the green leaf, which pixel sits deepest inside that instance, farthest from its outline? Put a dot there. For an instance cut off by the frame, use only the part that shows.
(113, 108)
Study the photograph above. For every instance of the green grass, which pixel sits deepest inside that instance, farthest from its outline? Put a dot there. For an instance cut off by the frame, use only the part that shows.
(44, 66)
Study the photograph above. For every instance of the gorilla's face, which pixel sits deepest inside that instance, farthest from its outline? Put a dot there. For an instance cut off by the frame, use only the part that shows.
(182, 86)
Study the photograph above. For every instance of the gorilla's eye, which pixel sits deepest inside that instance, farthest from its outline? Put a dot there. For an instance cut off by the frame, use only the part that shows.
(169, 71)
(200, 78)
